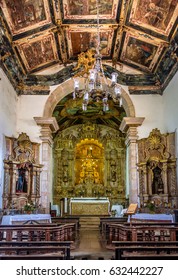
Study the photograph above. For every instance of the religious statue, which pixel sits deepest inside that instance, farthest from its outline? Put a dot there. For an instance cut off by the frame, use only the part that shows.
(21, 184)
(157, 183)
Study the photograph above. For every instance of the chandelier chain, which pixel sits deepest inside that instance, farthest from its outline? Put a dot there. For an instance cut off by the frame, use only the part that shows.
(97, 88)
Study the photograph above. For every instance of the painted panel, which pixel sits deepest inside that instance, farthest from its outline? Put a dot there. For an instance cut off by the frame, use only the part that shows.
(143, 53)
(38, 52)
(23, 15)
(86, 9)
(155, 14)
(80, 40)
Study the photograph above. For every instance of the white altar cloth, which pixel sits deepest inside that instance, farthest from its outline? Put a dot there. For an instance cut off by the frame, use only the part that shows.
(20, 219)
(147, 216)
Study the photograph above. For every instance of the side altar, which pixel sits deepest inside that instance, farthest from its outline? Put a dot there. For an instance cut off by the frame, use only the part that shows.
(89, 206)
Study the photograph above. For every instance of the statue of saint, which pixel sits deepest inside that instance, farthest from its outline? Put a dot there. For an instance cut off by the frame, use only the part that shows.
(21, 184)
(157, 183)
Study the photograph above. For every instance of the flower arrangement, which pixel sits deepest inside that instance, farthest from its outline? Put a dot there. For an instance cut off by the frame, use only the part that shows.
(113, 213)
(151, 206)
(29, 207)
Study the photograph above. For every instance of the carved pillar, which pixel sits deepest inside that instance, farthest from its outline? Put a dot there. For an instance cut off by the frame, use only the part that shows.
(129, 126)
(145, 179)
(14, 178)
(48, 126)
(164, 177)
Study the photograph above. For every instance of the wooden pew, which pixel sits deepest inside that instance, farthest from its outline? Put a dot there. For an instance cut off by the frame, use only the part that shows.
(28, 247)
(151, 257)
(106, 221)
(143, 249)
(66, 220)
(32, 257)
(142, 232)
(39, 232)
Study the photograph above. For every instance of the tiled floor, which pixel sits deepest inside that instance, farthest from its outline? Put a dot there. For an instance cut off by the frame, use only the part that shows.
(90, 246)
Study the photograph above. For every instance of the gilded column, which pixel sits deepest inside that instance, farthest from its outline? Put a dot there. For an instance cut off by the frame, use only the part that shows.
(164, 177)
(48, 126)
(129, 126)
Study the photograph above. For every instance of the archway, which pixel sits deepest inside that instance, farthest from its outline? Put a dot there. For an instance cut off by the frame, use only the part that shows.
(130, 122)
(67, 87)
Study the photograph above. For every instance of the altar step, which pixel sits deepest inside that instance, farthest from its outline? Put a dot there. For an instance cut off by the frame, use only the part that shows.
(89, 222)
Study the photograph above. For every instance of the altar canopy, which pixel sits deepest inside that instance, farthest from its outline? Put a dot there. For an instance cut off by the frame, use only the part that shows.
(89, 206)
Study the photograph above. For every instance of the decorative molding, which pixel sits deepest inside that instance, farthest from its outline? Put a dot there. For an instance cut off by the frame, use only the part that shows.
(128, 122)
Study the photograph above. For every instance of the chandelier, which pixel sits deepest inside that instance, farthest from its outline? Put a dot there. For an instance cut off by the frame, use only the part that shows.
(97, 87)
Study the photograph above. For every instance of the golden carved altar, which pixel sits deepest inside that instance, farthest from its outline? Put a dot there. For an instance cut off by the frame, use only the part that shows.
(89, 161)
(89, 206)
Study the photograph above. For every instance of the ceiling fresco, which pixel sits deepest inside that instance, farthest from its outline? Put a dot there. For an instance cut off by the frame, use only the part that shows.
(138, 39)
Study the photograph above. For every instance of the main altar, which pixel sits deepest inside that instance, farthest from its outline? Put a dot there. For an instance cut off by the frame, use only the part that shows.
(89, 206)
(89, 170)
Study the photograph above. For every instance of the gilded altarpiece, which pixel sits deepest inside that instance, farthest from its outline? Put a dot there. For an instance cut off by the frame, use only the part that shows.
(21, 173)
(89, 161)
(157, 170)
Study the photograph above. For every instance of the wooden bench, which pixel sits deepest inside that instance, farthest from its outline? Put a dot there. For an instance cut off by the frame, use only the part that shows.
(28, 248)
(66, 220)
(142, 232)
(32, 257)
(38, 232)
(124, 251)
(150, 257)
(122, 247)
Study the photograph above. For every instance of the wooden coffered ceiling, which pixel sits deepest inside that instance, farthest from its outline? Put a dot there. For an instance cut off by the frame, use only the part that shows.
(41, 39)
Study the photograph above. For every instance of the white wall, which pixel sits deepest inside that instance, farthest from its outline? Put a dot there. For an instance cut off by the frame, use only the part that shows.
(30, 106)
(151, 108)
(170, 98)
(8, 119)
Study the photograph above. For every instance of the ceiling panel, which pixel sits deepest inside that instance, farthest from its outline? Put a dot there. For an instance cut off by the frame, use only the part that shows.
(138, 39)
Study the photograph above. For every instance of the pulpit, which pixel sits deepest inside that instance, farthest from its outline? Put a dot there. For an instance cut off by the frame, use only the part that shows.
(89, 206)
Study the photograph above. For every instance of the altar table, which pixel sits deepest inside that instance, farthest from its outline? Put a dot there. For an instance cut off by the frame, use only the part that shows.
(89, 206)
(21, 219)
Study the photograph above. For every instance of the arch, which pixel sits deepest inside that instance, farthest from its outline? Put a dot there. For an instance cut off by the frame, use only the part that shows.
(67, 87)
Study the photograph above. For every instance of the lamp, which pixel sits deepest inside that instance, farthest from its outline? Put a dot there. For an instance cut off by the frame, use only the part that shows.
(97, 88)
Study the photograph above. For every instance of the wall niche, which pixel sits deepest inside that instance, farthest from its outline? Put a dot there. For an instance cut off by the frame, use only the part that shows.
(21, 173)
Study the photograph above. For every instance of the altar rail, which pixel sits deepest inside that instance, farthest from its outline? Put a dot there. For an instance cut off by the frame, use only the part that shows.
(67, 220)
(142, 232)
(39, 232)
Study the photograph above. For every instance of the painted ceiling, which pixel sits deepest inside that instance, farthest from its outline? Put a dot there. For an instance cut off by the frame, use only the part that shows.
(40, 41)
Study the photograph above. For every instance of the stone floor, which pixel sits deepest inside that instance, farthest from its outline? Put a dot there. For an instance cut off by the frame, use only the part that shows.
(90, 245)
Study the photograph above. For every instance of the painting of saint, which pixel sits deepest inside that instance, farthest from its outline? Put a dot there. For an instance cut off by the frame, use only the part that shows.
(24, 13)
(88, 7)
(85, 40)
(38, 52)
(140, 52)
(156, 13)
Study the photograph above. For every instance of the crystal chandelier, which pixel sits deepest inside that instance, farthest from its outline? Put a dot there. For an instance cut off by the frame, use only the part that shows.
(97, 87)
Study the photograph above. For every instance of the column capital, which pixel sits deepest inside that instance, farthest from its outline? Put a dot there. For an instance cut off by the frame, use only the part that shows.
(129, 126)
(48, 126)
(128, 122)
